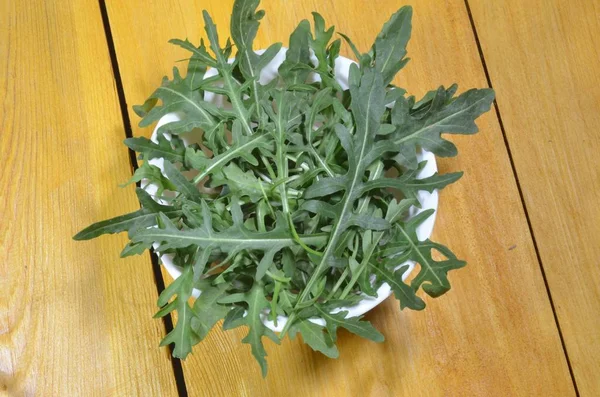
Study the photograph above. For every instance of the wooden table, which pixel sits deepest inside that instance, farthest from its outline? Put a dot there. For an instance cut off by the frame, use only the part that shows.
(522, 319)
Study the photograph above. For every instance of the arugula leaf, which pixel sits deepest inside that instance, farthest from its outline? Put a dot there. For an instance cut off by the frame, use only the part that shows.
(297, 56)
(207, 310)
(390, 44)
(242, 146)
(370, 243)
(172, 150)
(232, 88)
(313, 335)
(153, 175)
(405, 245)
(183, 334)
(440, 114)
(233, 240)
(136, 219)
(244, 25)
(200, 59)
(321, 40)
(363, 59)
(409, 185)
(181, 183)
(139, 219)
(255, 298)
(178, 96)
(241, 183)
(354, 325)
(404, 293)
(256, 329)
(324, 52)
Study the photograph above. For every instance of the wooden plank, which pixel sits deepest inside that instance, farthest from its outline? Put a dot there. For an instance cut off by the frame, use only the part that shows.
(542, 58)
(74, 319)
(493, 334)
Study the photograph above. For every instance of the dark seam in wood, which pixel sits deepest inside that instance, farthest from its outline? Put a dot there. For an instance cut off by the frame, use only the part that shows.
(158, 279)
(520, 190)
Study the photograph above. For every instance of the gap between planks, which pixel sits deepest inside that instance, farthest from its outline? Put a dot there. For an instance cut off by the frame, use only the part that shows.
(514, 171)
(158, 279)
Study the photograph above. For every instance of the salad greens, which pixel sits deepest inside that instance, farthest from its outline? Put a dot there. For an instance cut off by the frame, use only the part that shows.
(287, 206)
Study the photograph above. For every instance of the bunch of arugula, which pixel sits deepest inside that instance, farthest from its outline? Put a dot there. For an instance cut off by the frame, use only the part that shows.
(291, 210)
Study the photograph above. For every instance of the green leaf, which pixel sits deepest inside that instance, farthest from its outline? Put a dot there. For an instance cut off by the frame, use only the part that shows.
(153, 175)
(325, 187)
(179, 96)
(314, 336)
(441, 114)
(390, 44)
(232, 240)
(353, 324)
(149, 203)
(241, 183)
(322, 100)
(370, 242)
(432, 275)
(200, 260)
(182, 185)
(199, 55)
(255, 298)
(234, 318)
(183, 334)
(298, 54)
(321, 40)
(394, 94)
(207, 310)
(333, 52)
(404, 293)
(363, 59)
(171, 150)
(242, 146)
(134, 249)
(244, 25)
(232, 87)
(139, 219)
(409, 185)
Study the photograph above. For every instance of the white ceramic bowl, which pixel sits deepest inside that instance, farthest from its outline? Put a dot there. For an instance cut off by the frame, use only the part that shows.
(427, 200)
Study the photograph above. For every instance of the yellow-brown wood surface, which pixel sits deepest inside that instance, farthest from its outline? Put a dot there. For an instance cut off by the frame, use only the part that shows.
(74, 319)
(493, 334)
(543, 59)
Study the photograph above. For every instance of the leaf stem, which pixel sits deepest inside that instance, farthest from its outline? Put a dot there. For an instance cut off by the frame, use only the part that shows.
(274, 300)
(321, 161)
(235, 100)
(298, 239)
(278, 278)
(338, 284)
(228, 155)
(268, 167)
(288, 324)
(267, 200)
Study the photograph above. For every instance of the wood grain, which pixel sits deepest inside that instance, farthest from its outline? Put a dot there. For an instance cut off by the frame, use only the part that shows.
(74, 319)
(542, 58)
(493, 334)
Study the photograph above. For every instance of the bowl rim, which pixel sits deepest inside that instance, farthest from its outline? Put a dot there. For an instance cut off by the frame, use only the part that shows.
(427, 200)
